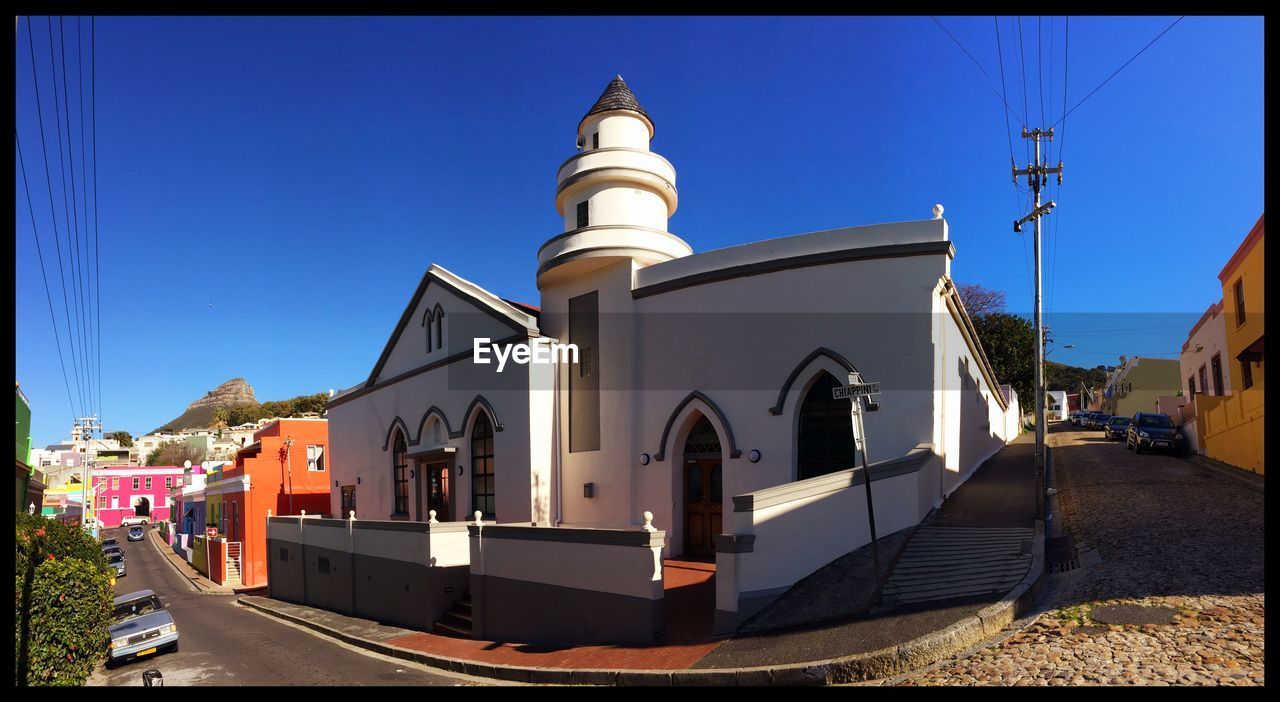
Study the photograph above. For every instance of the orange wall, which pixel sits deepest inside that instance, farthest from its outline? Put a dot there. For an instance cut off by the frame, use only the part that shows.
(271, 479)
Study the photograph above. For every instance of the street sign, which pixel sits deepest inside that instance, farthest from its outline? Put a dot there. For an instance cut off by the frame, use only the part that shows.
(211, 533)
(844, 392)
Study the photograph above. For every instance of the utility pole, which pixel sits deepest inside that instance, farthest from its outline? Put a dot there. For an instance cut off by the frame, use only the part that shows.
(1036, 173)
(85, 426)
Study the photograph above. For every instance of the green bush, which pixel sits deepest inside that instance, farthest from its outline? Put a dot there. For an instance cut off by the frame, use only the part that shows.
(70, 612)
(37, 537)
(62, 602)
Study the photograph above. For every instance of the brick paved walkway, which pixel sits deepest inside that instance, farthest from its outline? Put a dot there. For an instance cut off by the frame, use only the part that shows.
(1160, 531)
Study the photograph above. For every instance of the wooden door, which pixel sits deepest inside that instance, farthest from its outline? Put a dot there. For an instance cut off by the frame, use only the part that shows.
(702, 508)
(438, 491)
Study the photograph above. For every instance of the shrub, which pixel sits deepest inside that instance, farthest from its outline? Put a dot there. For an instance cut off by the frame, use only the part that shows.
(70, 613)
(37, 537)
(62, 602)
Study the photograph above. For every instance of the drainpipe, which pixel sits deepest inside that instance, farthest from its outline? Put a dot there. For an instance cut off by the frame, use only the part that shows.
(556, 445)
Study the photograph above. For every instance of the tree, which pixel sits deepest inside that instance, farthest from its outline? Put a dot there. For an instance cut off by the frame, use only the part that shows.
(220, 417)
(124, 437)
(175, 453)
(980, 301)
(1009, 342)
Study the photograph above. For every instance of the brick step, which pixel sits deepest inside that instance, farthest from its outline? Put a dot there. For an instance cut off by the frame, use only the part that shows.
(456, 620)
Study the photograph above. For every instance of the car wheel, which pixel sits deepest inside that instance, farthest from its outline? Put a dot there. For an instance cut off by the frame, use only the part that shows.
(174, 647)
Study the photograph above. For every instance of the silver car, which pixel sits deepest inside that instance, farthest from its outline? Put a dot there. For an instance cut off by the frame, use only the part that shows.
(142, 626)
(116, 560)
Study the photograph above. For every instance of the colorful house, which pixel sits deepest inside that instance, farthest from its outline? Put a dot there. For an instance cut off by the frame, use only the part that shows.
(1138, 384)
(123, 491)
(1233, 425)
(283, 471)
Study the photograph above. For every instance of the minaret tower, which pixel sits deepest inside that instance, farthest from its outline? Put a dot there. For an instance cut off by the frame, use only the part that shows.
(615, 195)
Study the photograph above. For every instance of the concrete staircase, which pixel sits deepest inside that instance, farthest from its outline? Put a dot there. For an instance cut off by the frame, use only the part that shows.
(456, 621)
(942, 563)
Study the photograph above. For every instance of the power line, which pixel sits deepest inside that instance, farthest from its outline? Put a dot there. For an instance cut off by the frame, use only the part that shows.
(998, 96)
(97, 259)
(1121, 68)
(48, 179)
(43, 275)
(84, 195)
(1040, 62)
(81, 265)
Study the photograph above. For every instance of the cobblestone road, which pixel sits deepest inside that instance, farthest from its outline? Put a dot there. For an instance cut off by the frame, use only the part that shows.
(1168, 533)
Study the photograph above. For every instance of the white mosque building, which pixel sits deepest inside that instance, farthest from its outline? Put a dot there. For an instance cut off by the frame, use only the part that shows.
(702, 395)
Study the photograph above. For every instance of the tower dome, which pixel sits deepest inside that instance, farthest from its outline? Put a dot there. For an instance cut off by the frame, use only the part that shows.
(615, 195)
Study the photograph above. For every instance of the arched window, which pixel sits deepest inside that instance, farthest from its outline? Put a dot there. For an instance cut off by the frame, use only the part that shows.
(400, 476)
(426, 322)
(482, 485)
(439, 317)
(826, 436)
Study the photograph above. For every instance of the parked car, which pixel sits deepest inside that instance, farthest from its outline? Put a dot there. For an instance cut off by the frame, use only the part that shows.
(1117, 427)
(1153, 431)
(1075, 417)
(142, 627)
(108, 543)
(116, 560)
(136, 533)
(1100, 421)
(110, 551)
(134, 520)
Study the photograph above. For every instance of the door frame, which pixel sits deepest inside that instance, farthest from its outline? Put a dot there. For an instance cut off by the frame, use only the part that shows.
(685, 460)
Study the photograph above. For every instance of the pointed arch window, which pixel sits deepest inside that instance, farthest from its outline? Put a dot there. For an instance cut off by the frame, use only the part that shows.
(438, 316)
(482, 478)
(427, 322)
(400, 476)
(825, 439)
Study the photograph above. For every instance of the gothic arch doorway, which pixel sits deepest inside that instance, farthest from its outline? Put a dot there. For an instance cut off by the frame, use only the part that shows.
(702, 488)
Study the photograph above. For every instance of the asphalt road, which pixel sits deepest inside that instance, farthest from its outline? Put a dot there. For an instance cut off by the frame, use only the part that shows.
(222, 643)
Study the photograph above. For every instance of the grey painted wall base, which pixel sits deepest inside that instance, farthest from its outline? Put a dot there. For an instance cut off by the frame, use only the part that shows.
(892, 660)
(536, 613)
(749, 604)
(384, 589)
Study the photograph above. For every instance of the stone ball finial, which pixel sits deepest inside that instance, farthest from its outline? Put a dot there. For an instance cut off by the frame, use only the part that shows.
(431, 517)
(478, 515)
(352, 515)
(937, 211)
(648, 521)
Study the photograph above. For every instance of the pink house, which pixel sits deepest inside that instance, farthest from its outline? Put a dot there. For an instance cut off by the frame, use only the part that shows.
(121, 491)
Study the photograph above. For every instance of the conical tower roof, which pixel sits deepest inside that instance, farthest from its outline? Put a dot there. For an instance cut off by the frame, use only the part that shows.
(617, 96)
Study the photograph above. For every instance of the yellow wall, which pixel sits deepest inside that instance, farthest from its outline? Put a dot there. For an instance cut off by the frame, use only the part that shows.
(1235, 428)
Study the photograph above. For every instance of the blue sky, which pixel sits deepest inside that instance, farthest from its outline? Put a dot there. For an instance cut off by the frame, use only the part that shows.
(271, 189)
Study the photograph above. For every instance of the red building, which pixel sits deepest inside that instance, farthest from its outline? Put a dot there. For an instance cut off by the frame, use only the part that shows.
(285, 470)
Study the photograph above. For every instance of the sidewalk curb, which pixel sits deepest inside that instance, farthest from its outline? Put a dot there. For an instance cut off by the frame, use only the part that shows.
(885, 662)
(164, 550)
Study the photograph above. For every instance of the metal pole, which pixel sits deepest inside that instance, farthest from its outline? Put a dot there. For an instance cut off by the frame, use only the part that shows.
(1037, 181)
(860, 445)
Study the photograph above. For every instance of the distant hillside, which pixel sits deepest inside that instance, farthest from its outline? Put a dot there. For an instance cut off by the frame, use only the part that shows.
(199, 414)
(1059, 376)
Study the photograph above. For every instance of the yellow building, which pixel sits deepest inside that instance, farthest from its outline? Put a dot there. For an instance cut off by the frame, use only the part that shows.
(1234, 424)
(1138, 383)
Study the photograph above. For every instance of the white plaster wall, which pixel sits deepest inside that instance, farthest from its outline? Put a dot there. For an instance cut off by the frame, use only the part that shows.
(974, 425)
(609, 467)
(743, 339)
(1212, 338)
(358, 429)
(828, 526)
(616, 130)
(624, 570)
(618, 203)
(463, 322)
